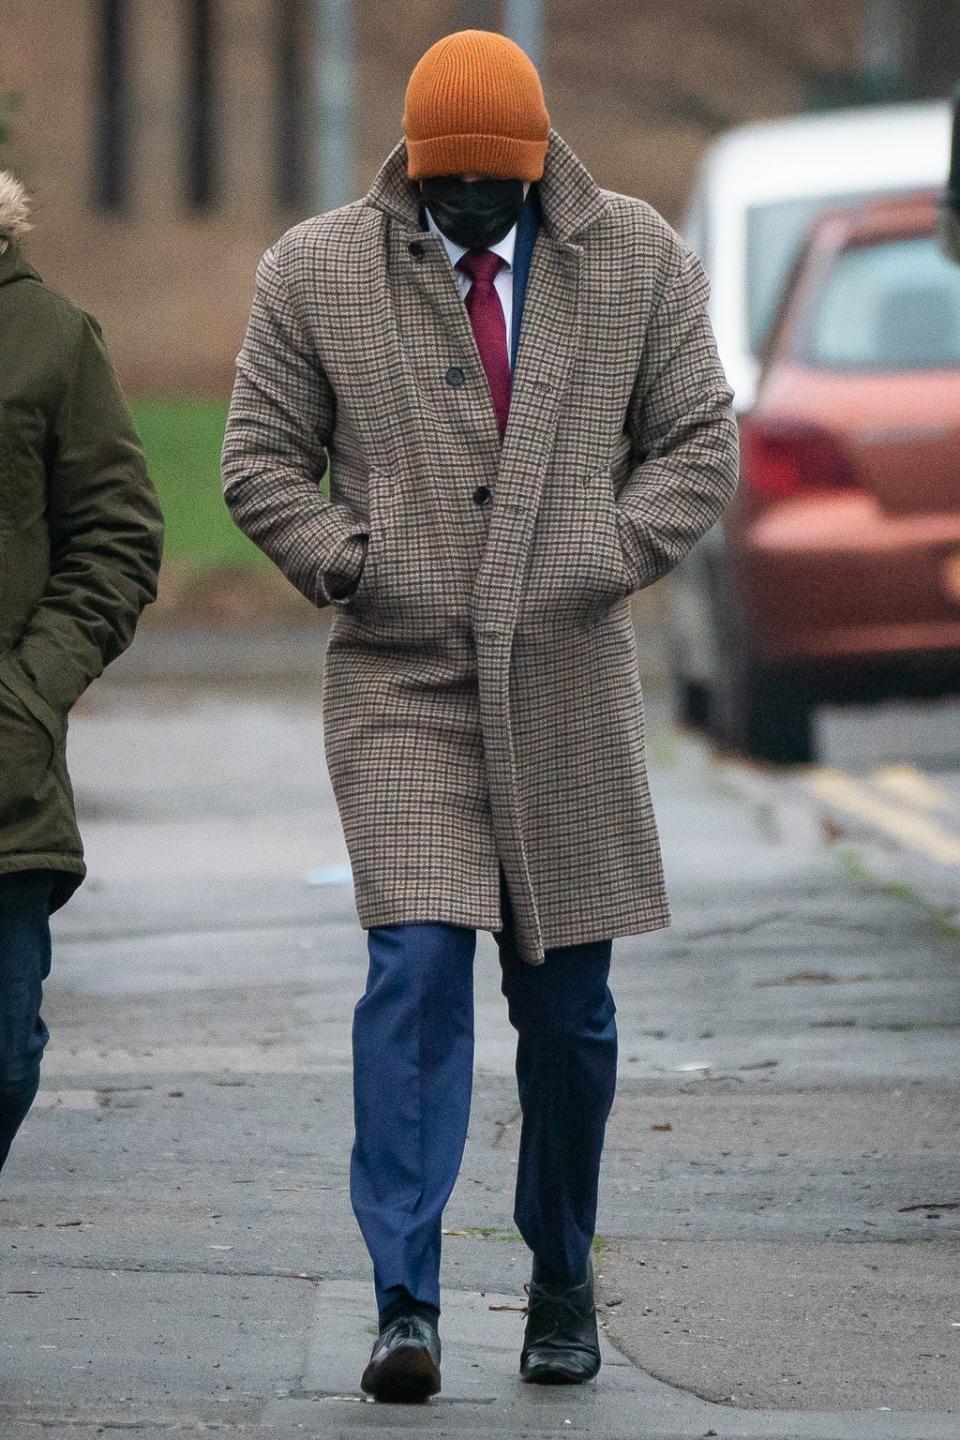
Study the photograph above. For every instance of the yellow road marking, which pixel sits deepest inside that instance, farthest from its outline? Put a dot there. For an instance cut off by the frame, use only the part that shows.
(912, 830)
(908, 783)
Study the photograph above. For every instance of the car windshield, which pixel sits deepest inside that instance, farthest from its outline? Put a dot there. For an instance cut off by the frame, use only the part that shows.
(774, 233)
(892, 305)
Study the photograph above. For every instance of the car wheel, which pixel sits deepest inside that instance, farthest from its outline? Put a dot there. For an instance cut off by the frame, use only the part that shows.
(691, 703)
(767, 718)
(756, 709)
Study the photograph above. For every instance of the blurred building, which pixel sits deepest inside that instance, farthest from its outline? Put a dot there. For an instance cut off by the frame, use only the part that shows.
(164, 143)
(168, 142)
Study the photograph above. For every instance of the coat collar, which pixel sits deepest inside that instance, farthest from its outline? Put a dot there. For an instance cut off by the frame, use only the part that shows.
(570, 198)
(13, 266)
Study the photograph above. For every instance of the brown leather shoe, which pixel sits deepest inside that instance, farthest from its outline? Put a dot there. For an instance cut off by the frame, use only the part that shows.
(405, 1360)
(561, 1345)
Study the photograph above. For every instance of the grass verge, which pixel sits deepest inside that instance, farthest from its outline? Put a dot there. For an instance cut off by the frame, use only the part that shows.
(182, 439)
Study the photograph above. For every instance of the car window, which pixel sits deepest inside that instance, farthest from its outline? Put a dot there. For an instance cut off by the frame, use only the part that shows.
(774, 234)
(893, 305)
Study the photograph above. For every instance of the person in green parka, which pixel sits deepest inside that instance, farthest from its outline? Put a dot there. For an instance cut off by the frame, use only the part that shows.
(81, 536)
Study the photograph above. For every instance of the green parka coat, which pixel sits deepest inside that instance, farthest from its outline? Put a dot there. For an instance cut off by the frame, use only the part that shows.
(80, 543)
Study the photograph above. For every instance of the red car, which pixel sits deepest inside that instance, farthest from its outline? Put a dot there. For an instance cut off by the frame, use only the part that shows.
(841, 573)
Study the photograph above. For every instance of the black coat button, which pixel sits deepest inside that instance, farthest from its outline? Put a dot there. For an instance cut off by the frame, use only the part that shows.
(416, 249)
(455, 376)
(482, 494)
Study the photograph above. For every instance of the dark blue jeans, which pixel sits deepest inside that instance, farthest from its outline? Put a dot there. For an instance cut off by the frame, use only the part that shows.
(413, 1071)
(25, 899)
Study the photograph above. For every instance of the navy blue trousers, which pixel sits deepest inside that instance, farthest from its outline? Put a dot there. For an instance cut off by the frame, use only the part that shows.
(25, 898)
(413, 1073)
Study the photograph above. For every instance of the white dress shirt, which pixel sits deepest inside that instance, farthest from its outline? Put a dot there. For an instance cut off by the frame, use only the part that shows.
(503, 280)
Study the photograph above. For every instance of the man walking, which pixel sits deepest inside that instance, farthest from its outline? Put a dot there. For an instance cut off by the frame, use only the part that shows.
(511, 375)
(80, 540)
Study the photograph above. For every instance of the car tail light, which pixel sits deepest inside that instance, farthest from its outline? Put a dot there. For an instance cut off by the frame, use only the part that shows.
(782, 458)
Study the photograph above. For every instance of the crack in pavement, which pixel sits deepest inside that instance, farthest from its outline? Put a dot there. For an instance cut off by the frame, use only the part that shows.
(124, 1268)
(100, 1423)
(201, 931)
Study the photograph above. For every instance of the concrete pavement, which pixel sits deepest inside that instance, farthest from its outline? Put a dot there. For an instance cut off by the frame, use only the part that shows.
(781, 1198)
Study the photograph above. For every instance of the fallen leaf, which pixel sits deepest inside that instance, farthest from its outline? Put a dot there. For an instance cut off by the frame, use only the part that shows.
(811, 977)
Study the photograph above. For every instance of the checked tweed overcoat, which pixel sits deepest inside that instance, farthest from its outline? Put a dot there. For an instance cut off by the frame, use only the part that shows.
(481, 694)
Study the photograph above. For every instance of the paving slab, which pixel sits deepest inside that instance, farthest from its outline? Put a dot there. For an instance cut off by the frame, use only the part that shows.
(120, 1348)
(791, 1325)
(483, 1395)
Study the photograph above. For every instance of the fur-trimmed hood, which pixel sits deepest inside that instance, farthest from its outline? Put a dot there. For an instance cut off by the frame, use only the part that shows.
(14, 210)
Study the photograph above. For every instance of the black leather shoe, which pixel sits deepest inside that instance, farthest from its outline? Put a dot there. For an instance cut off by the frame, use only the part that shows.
(561, 1345)
(405, 1360)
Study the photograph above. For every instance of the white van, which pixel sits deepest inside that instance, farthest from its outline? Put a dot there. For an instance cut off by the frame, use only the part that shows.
(756, 190)
(759, 185)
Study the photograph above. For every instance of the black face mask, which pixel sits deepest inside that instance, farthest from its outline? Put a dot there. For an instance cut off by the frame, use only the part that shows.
(473, 213)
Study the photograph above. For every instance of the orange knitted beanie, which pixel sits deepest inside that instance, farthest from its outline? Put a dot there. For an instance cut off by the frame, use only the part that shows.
(474, 102)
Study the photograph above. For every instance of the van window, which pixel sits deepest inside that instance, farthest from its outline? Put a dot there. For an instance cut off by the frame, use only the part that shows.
(774, 233)
(695, 225)
(892, 305)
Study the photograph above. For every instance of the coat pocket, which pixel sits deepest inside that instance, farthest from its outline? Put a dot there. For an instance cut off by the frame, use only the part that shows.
(602, 536)
(31, 734)
(380, 495)
(577, 570)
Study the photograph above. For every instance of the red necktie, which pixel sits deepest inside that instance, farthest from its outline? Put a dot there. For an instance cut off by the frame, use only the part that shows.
(489, 327)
